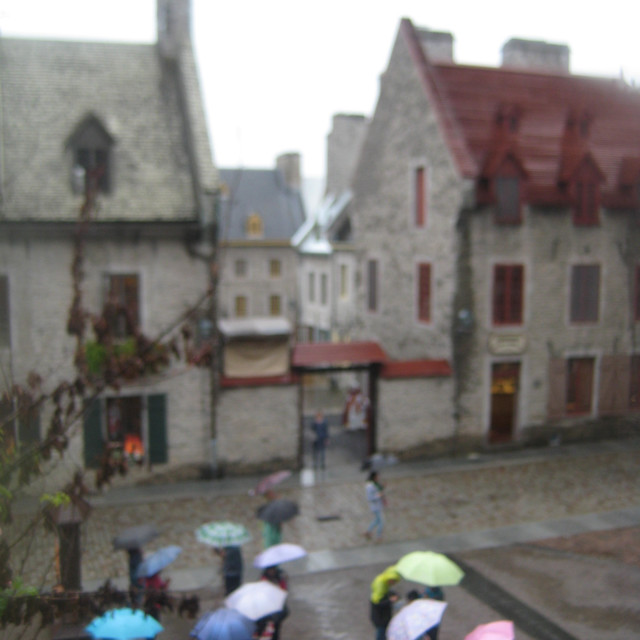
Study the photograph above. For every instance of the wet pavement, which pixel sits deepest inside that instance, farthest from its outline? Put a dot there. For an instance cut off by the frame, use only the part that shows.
(539, 531)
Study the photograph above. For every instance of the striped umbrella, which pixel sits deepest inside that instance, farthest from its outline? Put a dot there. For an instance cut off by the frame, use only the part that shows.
(223, 534)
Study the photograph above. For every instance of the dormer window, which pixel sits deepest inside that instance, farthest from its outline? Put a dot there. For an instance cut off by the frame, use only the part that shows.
(586, 209)
(254, 226)
(508, 193)
(91, 157)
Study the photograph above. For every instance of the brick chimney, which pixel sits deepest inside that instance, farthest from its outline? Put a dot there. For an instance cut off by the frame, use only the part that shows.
(289, 165)
(535, 55)
(343, 150)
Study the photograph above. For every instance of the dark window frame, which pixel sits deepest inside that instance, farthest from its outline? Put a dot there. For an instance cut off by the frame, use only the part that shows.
(420, 196)
(372, 286)
(508, 294)
(123, 292)
(584, 304)
(423, 292)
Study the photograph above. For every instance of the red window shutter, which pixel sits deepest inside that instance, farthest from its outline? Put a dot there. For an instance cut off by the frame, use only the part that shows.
(420, 190)
(557, 388)
(508, 289)
(424, 292)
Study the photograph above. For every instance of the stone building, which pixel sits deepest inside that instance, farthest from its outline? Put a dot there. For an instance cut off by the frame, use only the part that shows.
(131, 117)
(260, 211)
(495, 217)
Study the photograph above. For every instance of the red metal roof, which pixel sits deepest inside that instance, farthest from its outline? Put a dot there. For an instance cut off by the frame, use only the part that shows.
(468, 100)
(327, 355)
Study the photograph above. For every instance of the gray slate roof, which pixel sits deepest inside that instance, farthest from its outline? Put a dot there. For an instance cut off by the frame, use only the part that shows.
(49, 87)
(261, 191)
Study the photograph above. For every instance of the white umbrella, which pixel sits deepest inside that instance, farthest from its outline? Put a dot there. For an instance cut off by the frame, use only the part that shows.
(257, 599)
(415, 619)
(278, 554)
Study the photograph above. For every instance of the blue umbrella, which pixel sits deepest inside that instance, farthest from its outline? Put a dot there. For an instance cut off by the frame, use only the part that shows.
(158, 561)
(223, 624)
(124, 624)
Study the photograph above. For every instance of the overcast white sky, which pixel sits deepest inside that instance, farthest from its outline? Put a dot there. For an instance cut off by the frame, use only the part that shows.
(275, 71)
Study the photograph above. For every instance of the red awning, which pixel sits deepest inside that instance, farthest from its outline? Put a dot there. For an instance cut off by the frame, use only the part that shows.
(336, 355)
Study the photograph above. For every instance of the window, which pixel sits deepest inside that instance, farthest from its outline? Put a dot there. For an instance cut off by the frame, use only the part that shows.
(508, 200)
(585, 293)
(579, 385)
(420, 196)
(312, 287)
(424, 292)
(5, 325)
(275, 305)
(240, 268)
(254, 226)
(324, 289)
(344, 280)
(634, 383)
(508, 281)
(275, 268)
(91, 145)
(636, 304)
(587, 202)
(19, 425)
(123, 302)
(372, 285)
(241, 306)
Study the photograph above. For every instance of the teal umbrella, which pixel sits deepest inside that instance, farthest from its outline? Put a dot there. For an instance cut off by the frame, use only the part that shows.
(124, 624)
(223, 534)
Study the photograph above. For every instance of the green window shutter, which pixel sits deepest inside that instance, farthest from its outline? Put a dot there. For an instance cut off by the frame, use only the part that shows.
(93, 442)
(157, 414)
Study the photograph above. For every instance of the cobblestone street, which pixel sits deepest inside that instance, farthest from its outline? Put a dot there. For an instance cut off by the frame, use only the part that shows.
(425, 500)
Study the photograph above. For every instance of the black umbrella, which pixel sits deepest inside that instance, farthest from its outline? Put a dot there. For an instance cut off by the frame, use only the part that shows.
(135, 537)
(278, 511)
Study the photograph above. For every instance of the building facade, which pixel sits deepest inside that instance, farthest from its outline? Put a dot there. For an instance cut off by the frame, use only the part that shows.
(129, 119)
(495, 216)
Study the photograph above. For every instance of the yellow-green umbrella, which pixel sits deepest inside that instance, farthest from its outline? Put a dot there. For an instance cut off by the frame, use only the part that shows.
(429, 568)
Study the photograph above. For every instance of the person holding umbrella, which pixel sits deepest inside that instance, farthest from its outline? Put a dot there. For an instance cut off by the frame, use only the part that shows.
(382, 599)
(231, 566)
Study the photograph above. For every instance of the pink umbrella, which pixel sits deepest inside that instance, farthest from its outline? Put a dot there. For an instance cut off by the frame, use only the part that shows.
(266, 484)
(500, 630)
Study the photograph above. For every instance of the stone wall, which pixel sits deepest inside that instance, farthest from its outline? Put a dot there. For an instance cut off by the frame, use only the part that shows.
(403, 135)
(414, 414)
(258, 428)
(40, 296)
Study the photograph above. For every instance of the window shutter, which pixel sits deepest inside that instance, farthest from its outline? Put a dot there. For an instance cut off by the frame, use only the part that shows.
(5, 333)
(93, 442)
(614, 385)
(557, 388)
(424, 292)
(157, 415)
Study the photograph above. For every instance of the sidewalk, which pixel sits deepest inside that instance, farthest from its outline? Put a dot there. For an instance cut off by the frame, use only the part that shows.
(444, 486)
